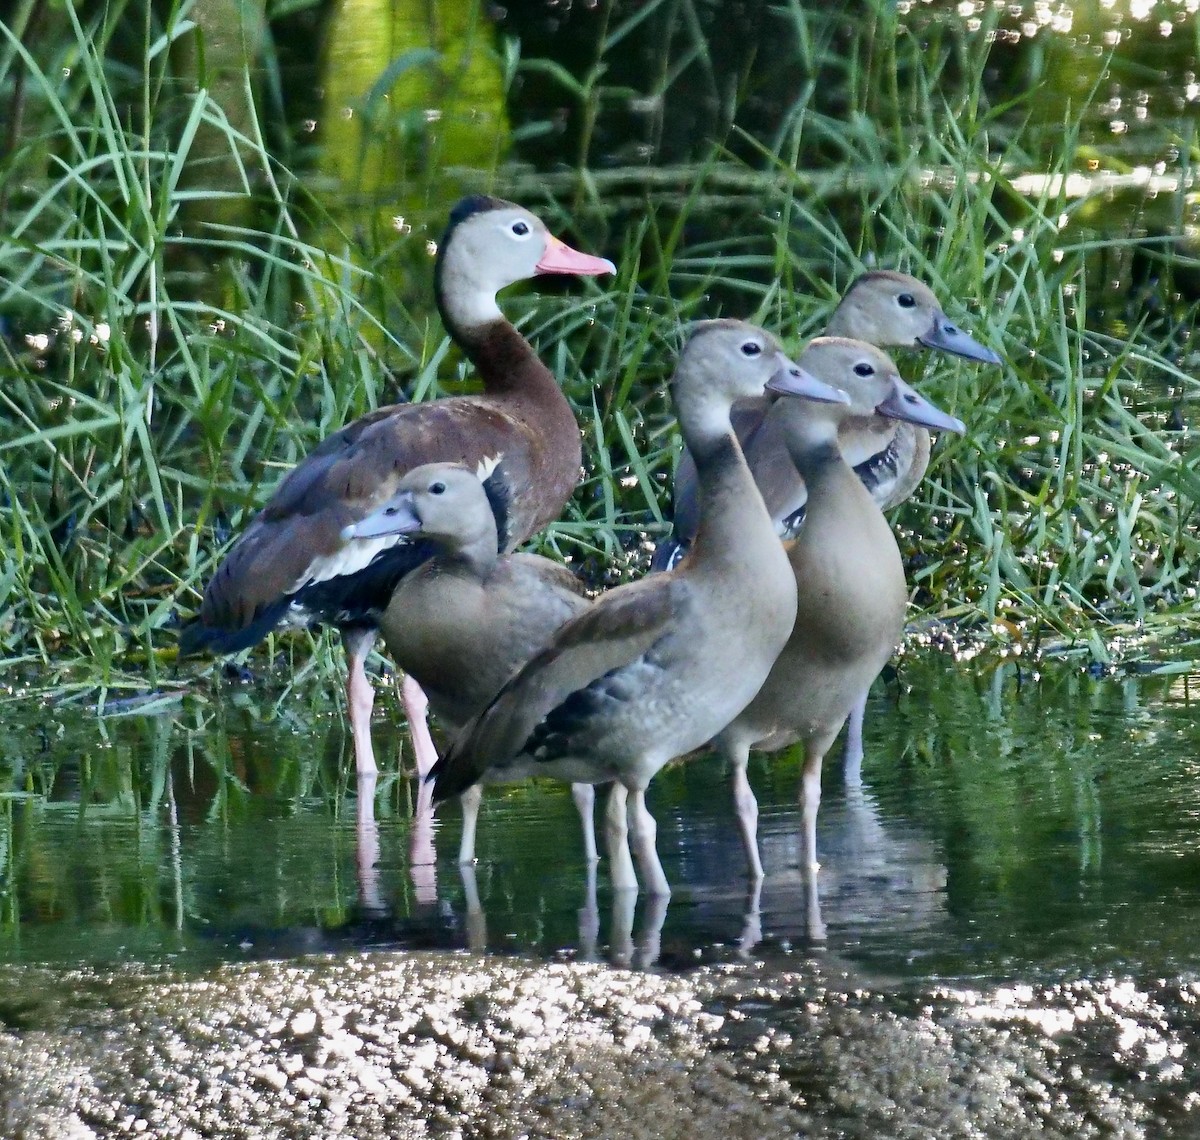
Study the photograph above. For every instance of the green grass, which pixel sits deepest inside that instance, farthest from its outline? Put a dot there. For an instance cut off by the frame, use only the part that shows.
(189, 311)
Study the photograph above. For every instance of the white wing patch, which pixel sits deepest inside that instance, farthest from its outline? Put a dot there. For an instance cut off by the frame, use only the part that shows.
(488, 464)
(353, 556)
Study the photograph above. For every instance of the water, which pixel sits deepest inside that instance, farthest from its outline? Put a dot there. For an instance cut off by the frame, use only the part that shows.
(1003, 942)
(1010, 825)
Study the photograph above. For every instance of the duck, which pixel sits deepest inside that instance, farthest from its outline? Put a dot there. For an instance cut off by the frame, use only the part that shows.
(465, 620)
(291, 566)
(655, 668)
(851, 589)
(884, 308)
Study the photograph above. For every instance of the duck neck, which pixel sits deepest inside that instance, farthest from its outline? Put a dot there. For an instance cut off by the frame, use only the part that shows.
(477, 558)
(812, 443)
(733, 519)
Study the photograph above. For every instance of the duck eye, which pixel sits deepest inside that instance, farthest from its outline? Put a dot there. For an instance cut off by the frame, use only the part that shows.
(906, 300)
(437, 488)
(519, 229)
(864, 369)
(751, 348)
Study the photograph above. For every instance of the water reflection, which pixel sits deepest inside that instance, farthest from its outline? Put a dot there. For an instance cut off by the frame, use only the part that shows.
(1008, 824)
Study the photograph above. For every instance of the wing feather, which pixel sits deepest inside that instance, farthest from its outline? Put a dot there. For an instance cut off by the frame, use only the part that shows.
(296, 538)
(615, 632)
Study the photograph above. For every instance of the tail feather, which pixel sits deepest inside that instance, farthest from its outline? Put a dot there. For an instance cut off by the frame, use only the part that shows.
(196, 637)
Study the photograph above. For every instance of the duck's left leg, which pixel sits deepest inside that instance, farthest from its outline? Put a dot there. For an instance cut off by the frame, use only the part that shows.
(810, 803)
(470, 800)
(360, 696)
(416, 710)
(616, 838)
(584, 796)
(643, 831)
(854, 742)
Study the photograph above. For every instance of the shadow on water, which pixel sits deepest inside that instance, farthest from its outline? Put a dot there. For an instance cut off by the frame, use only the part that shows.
(1009, 825)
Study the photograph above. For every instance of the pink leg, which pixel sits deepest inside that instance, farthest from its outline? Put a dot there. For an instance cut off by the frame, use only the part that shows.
(422, 855)
(360, 697)
(854, 743)
(366, 846)
(416, 707)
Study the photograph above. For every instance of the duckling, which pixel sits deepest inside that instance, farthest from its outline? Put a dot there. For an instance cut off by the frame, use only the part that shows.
(463, 622)
(884, 308)
(657, 667)
(291, 565)
(852, 593)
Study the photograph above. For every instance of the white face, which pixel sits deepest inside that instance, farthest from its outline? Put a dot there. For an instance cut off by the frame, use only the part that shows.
(488, 252)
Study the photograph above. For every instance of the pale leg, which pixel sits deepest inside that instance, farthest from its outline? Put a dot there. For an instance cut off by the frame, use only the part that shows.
(476, 919)
(360, 697)
(854, 743)
(654, 916)
(416, 708)
(644, 833)
(616, 838)
(584, 796)
(589, 918)
(810, 803)
(620, 939)
(746, 806)
(752, 927)
(814, 925)
(470, 800)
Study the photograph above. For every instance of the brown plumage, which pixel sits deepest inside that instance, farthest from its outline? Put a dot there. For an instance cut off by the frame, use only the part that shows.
(883, 308)
(465, 621)
(890, 457)
(851, 592)
(653, 669)
(291, 564)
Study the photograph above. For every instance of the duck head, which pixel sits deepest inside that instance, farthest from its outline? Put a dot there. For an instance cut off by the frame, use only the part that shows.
(724, 361)
(442, 502)
(872, 383)
(490, 244)
(898, 311)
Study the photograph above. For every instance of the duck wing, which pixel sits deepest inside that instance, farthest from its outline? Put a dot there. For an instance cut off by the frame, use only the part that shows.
(563, 680)
(292, 554)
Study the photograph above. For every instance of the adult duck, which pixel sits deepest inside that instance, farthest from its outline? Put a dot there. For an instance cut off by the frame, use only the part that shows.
(852, 594)
(291, 563)
(889, 310)
(655, 668)
(466, 620)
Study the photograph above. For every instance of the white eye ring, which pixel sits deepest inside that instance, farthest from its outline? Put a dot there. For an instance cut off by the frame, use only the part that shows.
(751, 348)
(519, 230)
